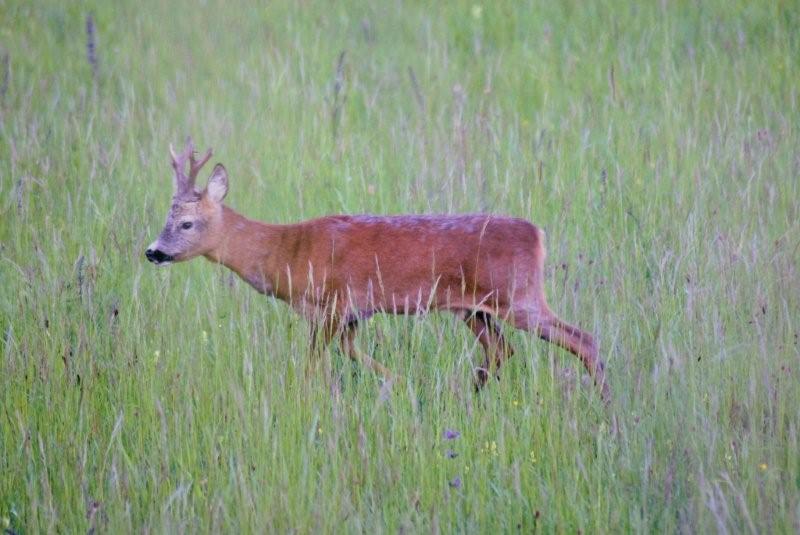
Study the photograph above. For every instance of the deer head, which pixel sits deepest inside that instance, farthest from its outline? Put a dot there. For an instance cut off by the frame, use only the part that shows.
(194, 220)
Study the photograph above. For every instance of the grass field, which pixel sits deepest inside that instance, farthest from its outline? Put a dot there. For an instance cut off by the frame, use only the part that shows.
(657, 143)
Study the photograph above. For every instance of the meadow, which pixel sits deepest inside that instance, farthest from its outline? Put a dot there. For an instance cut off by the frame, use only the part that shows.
(657, 144)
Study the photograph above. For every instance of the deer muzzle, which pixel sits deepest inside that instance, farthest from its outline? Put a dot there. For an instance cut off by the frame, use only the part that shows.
(157, 256)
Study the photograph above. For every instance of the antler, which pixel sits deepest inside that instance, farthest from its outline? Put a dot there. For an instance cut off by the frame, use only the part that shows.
(183, 181)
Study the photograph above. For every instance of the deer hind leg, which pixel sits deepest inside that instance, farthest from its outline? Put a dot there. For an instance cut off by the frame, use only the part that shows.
(495, 347)
(580, 343)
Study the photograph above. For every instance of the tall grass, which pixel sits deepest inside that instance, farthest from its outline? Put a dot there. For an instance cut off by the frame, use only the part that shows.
(656, 143)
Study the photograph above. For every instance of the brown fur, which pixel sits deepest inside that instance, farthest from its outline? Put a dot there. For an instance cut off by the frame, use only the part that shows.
(339, 270)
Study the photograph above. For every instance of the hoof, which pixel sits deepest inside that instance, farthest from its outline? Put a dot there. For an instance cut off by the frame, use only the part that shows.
(481, 378)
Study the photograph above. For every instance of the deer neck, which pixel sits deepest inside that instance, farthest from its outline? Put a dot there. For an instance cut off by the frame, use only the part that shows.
(245, 247)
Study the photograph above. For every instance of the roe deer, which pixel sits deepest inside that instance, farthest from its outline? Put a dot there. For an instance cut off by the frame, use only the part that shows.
(339, 270)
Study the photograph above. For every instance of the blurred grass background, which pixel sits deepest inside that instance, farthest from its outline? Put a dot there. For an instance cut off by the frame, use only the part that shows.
(655, 142)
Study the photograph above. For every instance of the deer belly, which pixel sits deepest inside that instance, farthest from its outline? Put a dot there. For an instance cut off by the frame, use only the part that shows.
(365, 299)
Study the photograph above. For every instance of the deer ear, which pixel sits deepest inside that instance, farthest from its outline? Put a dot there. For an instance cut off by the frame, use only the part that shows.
(217, 184)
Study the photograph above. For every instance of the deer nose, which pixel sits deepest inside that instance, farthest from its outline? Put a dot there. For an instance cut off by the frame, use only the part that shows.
(157, 256)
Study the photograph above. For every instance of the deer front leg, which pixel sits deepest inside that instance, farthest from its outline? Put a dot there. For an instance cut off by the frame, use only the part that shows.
(322, 333)
(349, 346)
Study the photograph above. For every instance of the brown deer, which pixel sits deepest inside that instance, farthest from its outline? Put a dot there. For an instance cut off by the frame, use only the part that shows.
(339, 270)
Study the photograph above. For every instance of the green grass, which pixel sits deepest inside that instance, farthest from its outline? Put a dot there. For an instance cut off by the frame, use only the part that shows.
(657, 144)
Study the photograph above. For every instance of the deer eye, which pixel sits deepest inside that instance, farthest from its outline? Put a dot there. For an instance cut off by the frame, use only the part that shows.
(186, 225)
